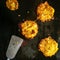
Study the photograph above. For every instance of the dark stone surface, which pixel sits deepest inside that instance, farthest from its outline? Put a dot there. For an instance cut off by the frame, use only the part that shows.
(8, 27)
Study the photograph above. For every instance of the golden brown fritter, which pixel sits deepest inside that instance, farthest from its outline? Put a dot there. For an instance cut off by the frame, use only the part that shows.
(29, 28)
(12, 4)
(45, 12)
(48, 46)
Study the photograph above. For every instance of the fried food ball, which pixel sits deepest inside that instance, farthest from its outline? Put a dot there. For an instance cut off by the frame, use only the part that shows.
(12, 4)
(45, 12)
(48, 46)
(29, 28)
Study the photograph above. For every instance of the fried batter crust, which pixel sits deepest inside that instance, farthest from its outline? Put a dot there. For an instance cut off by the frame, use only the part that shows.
(29, 28)
(12, 4)
(48, 46)
(45, 12)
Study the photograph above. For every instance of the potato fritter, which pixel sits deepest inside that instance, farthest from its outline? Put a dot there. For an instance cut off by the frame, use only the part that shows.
(29, 28)
(48, 46)
(12, 4)
(45, 12)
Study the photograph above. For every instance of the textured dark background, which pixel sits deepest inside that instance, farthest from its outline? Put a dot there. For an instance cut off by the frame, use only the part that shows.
(8, 27)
